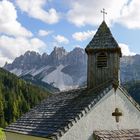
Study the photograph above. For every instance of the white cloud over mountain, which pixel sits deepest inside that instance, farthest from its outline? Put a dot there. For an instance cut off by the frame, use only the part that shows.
(84, 12)
(8, 21)
(15, 39)
(44, 32)
(81, 36)
(61, 39)
(87, 12)
(34, 8)
(13, 47)
(3, 60)
(125, 50)
(130, 15)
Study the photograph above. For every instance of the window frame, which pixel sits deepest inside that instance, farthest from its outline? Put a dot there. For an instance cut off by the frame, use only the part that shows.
(102, 60)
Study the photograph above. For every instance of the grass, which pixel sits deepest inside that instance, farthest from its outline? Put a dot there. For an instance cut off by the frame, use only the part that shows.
(2, 135)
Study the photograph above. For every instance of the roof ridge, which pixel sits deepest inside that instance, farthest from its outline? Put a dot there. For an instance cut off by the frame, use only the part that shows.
(71, 90)
(129, 97)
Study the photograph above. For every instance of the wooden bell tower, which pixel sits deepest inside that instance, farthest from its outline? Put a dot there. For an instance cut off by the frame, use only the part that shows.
(103, 58)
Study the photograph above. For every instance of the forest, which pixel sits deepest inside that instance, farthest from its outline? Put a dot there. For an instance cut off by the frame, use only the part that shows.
(17, 97)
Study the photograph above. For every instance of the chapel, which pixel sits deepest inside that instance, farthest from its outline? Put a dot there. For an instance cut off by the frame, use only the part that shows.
(101, 111)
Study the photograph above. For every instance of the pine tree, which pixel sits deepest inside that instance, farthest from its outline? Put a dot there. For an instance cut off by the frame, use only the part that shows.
(16, 97)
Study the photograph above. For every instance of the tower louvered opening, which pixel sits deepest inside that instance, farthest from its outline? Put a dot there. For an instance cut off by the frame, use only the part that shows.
(102, 60)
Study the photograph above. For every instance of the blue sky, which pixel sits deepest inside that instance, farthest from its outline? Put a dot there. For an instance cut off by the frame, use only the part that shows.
(39, 25)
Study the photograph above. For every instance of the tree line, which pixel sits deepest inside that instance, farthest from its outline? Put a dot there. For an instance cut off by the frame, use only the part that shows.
(16, 97)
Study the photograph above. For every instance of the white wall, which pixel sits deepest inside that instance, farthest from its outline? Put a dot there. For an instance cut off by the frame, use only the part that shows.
(101, 117)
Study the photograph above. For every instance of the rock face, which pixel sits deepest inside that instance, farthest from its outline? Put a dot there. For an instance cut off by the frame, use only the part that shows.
(130, 68)
(60, 69)
(56, 57)
(66, 70)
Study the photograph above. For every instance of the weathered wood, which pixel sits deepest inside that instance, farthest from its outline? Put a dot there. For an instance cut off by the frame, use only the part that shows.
(99, 75)
(103, 58)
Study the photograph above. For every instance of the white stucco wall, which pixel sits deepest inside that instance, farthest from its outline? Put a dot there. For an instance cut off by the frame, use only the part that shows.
(101, 117)
(15, 136)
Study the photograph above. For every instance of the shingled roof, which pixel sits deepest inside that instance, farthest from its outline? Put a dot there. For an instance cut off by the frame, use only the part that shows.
(58, 113)
(131, 134)
(103, 38)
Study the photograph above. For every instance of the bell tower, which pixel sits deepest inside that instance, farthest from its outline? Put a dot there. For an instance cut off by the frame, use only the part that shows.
(103, 58)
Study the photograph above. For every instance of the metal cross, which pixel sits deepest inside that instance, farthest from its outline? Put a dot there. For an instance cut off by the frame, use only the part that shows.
(104, 13)
(117, 114)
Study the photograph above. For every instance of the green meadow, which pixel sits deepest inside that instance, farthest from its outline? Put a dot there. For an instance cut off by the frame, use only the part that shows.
(2, 135)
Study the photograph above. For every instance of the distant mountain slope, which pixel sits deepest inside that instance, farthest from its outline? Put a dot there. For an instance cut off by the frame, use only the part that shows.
(130, 68)
(133, 88)
(66, 70)
(36, 81)
(16, 97)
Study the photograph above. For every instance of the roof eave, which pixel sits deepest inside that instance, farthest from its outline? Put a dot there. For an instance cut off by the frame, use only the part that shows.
(90, 50)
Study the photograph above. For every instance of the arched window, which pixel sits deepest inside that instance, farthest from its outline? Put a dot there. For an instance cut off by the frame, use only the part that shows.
(102, 60)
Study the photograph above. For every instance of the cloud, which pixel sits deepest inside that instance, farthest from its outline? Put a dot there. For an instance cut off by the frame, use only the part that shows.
(83, 12)
(8, 20)
(130, 14)
(125, 12)
(61, 39)
(34, 8)
(3, 60)
(125, 50)
(12, 47)
(44, 32)
(81, 36)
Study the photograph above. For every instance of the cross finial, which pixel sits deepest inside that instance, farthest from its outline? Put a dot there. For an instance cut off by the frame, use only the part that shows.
(117, 114)
(104, 13)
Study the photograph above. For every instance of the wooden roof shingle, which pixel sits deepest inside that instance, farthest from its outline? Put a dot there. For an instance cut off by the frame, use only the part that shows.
(130, 134)
(103, 40)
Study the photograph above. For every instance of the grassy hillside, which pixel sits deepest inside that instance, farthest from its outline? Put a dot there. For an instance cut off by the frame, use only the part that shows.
(16, 97)
(2, 135)
(133, 88)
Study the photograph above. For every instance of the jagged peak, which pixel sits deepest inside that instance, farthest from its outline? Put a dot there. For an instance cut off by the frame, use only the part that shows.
(79, 49)
(44, 54)
(59, 49)
(28, 53)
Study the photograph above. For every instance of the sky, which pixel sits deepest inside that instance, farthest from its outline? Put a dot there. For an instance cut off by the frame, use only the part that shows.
(40, 25)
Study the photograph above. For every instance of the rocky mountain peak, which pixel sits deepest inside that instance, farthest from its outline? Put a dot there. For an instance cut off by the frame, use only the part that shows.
(79, 50)
(55, 58)
(59, 51)
(31, 53)
(76, 56)
(44, 55)
(27, 61)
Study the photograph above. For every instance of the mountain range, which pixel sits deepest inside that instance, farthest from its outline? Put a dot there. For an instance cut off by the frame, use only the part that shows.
(65, 70)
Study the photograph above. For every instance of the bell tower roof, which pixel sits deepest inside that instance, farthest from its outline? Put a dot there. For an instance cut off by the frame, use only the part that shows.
(103, 58)
(103, 39)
